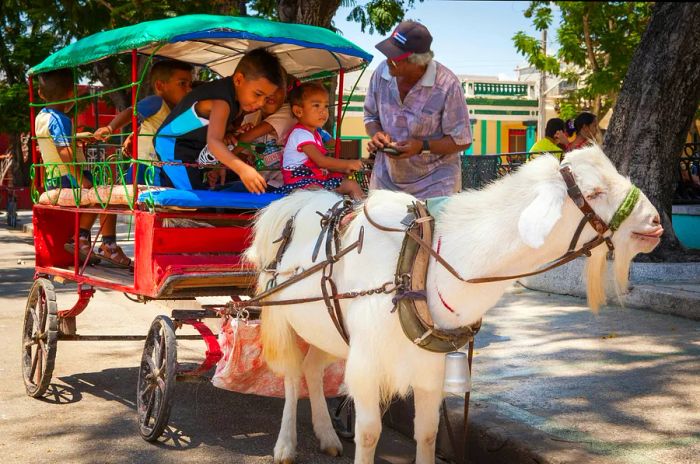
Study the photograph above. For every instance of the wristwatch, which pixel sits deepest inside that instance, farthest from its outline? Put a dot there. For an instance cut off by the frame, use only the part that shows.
(426, 147)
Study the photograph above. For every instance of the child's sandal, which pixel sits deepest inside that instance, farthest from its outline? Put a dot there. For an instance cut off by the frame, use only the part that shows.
(83, 250)
(114, 254)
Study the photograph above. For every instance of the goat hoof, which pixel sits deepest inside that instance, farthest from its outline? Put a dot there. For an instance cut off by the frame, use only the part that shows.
(332, 451)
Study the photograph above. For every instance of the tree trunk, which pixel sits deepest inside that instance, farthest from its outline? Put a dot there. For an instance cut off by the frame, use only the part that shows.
(315, 13)
(20, 163)
(655, 109)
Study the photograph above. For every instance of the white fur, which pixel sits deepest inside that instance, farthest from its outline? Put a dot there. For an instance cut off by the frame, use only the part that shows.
(513, 226)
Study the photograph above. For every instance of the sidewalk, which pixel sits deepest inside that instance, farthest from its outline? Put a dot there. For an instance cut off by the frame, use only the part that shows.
(554, 383)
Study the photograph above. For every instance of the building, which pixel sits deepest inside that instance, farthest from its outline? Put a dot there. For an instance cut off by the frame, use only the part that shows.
(503, 114)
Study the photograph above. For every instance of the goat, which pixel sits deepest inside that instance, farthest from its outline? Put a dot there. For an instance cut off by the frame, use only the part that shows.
(513, 226)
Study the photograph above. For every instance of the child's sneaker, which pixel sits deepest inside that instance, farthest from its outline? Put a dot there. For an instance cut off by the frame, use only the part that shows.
(84, 246)
(113, 253)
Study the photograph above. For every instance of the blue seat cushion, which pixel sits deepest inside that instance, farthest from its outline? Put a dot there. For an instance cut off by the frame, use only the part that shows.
(208, 199)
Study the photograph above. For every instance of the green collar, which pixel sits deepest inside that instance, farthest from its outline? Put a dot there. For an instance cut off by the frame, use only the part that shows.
(625, 208)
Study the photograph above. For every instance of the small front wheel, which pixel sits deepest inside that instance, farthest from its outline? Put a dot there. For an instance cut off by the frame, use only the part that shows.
(39, 337)
(157, 375)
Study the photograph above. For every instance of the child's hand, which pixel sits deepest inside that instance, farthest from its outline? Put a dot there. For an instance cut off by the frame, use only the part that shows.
(230, 139)
(354, 166)
(86, 184)
(126, 146)
(252, 180)
(244, 128)
(216, 176)
(103, 133)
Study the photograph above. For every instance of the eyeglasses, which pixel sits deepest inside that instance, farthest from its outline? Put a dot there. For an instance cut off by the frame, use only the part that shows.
(394, 62)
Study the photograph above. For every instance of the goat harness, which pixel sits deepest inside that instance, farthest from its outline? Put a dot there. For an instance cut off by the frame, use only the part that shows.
(412, 267)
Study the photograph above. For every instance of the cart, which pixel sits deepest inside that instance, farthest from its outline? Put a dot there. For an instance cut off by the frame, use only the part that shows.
(172, 261)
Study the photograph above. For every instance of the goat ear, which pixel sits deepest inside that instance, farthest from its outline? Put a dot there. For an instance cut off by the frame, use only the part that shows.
(538, 218)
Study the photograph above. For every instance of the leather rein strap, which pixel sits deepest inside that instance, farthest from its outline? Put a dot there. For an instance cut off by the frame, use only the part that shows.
(589, 217)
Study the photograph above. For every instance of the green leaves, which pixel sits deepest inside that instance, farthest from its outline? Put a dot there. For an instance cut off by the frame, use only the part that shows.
(380, 15)
(596, 43)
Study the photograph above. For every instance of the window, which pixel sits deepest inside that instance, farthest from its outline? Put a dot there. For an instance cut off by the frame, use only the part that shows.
(516, 140)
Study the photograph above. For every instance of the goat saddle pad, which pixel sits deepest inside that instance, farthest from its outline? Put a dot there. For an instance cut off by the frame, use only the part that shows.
(242, 368)
(412, 306)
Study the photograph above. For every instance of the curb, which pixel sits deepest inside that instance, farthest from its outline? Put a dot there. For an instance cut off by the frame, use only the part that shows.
(492, 437)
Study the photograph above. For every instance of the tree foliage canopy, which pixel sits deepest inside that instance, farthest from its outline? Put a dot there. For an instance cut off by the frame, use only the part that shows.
(596, 43)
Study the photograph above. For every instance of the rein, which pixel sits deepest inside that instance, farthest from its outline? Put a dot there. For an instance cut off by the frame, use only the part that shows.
(589, 217)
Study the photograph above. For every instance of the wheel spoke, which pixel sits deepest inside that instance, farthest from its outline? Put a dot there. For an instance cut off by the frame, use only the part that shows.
(151, 365)
(35, 362)
(161, 384)
(40, 365)
(156, 351)
(149, 408)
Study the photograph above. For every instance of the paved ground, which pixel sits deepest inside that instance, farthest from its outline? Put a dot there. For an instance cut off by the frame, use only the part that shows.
(89, 414)
(624, 384)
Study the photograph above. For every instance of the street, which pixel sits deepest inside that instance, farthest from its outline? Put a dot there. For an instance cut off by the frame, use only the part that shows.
(88, 414)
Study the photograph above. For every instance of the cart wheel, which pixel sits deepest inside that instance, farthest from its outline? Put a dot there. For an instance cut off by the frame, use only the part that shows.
(343, 418)
(39, 337)
(157, 379)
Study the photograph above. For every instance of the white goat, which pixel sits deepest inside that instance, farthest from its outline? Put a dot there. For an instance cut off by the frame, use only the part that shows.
(513, 226)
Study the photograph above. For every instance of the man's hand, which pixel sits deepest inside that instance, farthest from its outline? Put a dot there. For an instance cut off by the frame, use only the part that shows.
(103, 133)
(216, 177)
(379, 140)
(408, 148)
(252, 180)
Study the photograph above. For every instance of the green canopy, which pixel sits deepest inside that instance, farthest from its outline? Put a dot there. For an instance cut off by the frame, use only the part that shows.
(218, 42)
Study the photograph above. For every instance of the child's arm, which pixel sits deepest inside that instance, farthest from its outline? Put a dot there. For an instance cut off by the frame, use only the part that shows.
(218, 116)
(250, 135)
(119, 121)
(330, 163)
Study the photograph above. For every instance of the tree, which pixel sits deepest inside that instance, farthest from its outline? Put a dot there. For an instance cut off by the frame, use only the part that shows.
(31, 32)
(596, 42)
(656, 106)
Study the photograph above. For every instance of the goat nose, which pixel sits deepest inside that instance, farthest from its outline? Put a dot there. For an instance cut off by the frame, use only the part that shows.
(656, 220)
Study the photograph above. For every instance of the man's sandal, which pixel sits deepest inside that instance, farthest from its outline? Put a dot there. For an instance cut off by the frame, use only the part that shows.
(113, 253)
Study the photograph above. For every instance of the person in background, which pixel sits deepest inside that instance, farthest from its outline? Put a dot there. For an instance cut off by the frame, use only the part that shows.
(587, 132)
(171, 81)
(54, 132)
(415, 107)
(555, 139)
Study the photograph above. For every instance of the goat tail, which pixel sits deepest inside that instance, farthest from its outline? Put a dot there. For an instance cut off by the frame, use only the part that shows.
(596, 277)
(279, 343)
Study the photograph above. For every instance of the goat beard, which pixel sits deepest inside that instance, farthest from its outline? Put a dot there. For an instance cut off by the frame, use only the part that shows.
(597, 275)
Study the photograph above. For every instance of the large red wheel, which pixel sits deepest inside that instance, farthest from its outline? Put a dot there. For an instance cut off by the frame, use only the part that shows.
(157, 375)
(39, 337)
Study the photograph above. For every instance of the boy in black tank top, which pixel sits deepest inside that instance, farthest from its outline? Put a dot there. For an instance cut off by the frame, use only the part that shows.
(197, 125)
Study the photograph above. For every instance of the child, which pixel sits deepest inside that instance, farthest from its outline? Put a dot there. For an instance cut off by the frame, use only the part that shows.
(54, 131)
(171, 81)
(268, 127)
(304, 161)
(197, 125)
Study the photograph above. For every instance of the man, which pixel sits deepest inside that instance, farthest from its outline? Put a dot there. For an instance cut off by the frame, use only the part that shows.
(555, 139)
(415, 108)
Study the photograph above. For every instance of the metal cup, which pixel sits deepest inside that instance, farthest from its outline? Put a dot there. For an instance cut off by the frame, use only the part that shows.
(457, 377)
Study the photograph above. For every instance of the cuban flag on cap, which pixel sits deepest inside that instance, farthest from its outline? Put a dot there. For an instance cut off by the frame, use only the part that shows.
(399, 37)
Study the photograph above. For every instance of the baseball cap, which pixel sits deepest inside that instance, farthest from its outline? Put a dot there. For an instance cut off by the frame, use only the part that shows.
(409, 37)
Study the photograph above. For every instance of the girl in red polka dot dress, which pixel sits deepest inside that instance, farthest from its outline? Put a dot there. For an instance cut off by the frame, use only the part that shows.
(304, 161)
